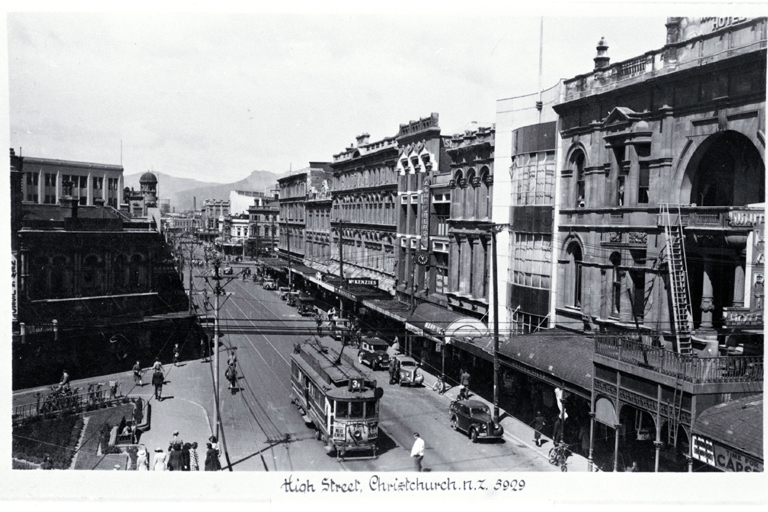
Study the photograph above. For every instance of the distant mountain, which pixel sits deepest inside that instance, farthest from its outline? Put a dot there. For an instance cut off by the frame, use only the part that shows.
(181, 191)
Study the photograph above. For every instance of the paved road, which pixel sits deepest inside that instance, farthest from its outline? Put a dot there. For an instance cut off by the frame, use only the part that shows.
(265, 431)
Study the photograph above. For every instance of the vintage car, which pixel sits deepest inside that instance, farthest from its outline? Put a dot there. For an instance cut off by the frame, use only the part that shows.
(342, 327)
(269, 284)
(227, 271)
(407, 371)
(292, 298)
(306, 305)
(373, 352)
(474, 418)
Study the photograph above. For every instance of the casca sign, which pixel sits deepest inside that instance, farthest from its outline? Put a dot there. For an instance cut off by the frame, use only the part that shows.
(714, 454)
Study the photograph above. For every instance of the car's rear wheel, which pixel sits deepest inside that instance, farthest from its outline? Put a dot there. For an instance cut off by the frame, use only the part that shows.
(473, 435)
(454, 423)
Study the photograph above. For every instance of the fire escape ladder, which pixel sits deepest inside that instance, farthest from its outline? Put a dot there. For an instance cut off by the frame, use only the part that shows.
(678, 280)
(673, 422)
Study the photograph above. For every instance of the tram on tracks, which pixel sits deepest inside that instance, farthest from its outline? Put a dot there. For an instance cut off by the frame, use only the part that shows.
(340, 401)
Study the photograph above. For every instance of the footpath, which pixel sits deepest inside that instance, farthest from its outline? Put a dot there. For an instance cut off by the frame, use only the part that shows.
(514, 430)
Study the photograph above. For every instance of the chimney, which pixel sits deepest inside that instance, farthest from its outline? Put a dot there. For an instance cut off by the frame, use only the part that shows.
(362, 140)
(70, 205)
(602, 60)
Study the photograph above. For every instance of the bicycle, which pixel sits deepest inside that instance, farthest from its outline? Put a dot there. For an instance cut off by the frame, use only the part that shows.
(558, 456)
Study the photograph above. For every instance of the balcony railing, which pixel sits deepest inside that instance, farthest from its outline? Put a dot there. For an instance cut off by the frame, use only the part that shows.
(688, 368)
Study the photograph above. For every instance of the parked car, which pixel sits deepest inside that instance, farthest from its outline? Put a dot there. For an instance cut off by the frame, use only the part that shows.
(306, 305)
(227, 271)
(373, 352)
(269, 284)
(408, 371)
(474, 418)
(343, 327)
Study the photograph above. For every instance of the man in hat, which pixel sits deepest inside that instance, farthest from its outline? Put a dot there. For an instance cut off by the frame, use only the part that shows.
(137, 374)
(158, 378)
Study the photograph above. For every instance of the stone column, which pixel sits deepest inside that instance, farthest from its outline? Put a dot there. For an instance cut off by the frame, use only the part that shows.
(707, 303)
(617, 433)
(738, 286)
(89, 190)
(590, 459)
(58, 186)
(657, 445)
(477, 270)
(40, 187)
(453, 265)
(465, 262)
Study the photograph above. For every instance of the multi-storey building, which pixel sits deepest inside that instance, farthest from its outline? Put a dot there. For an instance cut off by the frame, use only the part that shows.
(527, 194)
(241, 200)
(293, 192)
(213, 215)
(44, 181)
(318, 226)
(363, 210)
(264, 225)
(661, 208)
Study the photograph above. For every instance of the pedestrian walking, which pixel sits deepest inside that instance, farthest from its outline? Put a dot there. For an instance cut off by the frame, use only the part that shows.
(417, 452)
(319, 323)
(175, 439)
(175, 459)
(203, 343)
(232, 358)
(231, 376)
(393, 370)
(176, 353)
(211, 458)
(215, 444)
(557, 431)
(142, 460)
(538, 424)
(157, 380)
(395, 348)
(137, 374)
(194, 460)
(158, 464)
(64, 381)
(464, 384)
(157, 365)
(633, 468)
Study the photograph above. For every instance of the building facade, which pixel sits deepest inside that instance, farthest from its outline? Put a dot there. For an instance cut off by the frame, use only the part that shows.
(363, 218)
(264, 225)
(662, 189)
(45, 178)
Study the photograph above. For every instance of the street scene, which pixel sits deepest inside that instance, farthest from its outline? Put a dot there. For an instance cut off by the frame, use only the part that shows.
(574, 286)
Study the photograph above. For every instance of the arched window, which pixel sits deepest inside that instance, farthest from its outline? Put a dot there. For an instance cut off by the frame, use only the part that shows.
(470, 197)
(484, 195)
(457, 196)
(574, 273)
(577, 166)
(91, 275)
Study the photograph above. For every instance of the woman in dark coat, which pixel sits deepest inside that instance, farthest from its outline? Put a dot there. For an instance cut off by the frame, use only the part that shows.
(185, 456)
(211, 459)
(176, 459)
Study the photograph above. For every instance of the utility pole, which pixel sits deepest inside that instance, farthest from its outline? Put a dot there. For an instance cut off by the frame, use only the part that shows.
(216, 292)
(494, 229)
(341, 267)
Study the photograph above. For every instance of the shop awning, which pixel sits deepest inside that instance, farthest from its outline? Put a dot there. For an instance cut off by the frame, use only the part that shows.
(391, 308)
(444, 323)
(304, 270)
(735, 426)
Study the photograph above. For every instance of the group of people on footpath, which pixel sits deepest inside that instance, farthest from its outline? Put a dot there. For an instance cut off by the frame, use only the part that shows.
(181, 456)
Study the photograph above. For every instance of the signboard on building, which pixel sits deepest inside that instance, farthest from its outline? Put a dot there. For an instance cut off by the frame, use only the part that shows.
(694, 27)
(14, 289)
(360, 280)
(714, 454)
(425, 193)
(757, 283)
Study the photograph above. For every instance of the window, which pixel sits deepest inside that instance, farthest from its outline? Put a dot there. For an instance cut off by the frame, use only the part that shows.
(577, 166)
(616, 284)
(638, 299)
(531, 260)
(643, 183)
(573, 273)
(50, 180)
(342, 409)
(32, 179)
(441, 272)
(620, 191)
(98, 183)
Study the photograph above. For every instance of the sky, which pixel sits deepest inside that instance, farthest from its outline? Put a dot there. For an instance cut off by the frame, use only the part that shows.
(216, 95)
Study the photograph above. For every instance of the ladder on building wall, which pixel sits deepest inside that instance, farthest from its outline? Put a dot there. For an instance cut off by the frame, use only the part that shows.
(673, 416)
(678, 280)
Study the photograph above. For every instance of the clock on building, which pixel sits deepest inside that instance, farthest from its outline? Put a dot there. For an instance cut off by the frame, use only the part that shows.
(422, 258)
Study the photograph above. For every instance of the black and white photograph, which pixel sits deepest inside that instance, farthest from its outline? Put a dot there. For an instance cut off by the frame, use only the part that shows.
(516, 249)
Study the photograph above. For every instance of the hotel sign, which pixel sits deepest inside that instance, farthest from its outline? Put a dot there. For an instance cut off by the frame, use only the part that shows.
(724, 459)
